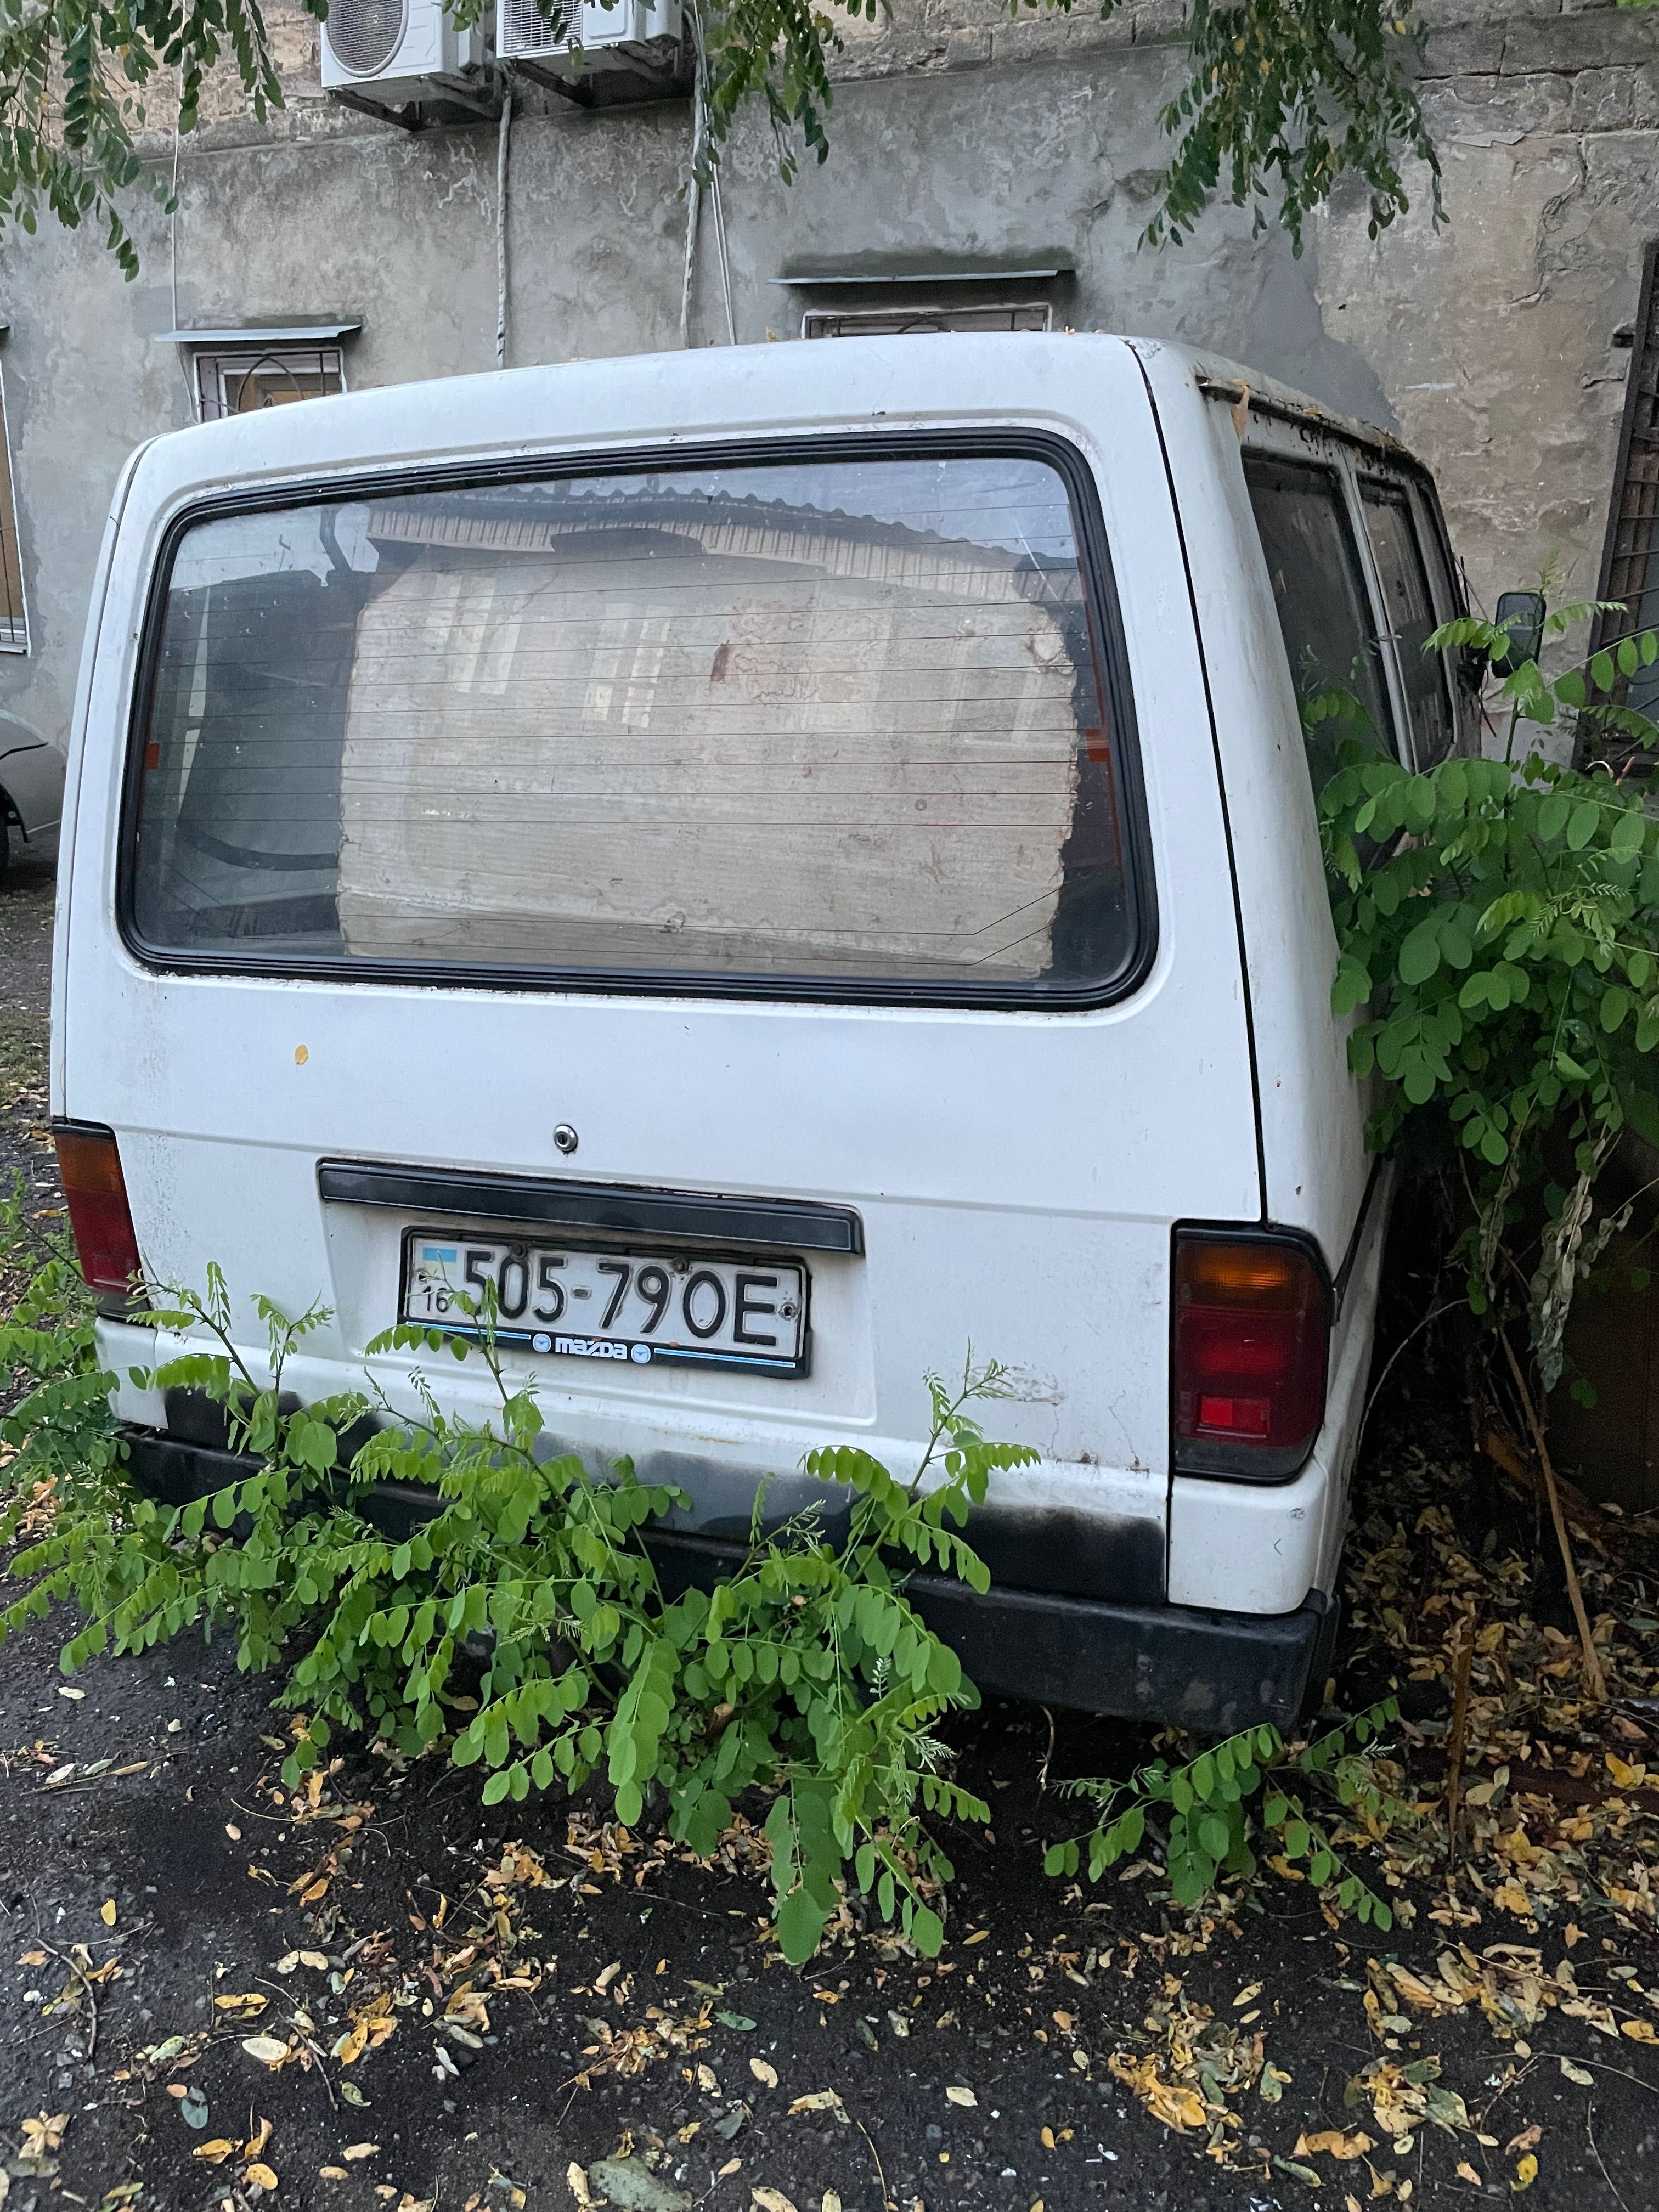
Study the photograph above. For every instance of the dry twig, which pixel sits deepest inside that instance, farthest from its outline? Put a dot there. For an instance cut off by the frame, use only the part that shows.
(1460, 1730)
(75, 1968)
(1596, 1686)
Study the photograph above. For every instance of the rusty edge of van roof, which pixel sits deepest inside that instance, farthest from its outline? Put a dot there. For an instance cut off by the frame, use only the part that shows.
(1232, 383)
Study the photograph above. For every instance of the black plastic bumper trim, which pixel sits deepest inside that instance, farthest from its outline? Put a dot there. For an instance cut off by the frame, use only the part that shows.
(778, 1224)
(1217, 1672)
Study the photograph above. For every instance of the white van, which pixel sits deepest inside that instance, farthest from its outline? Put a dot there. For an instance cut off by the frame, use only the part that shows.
(785, 863)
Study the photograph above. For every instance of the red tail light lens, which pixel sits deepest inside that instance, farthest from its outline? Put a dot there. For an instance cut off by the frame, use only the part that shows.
(89, 1167)
(1252, 1336)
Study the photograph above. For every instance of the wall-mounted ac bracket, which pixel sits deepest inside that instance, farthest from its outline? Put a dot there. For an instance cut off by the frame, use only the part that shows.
(619, 83)
(451, 104)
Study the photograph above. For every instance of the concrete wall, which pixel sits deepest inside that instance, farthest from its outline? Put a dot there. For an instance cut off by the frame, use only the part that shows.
(1489, 344)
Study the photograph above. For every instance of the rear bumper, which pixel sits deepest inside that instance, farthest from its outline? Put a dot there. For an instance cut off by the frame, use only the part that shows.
(1208, 1670)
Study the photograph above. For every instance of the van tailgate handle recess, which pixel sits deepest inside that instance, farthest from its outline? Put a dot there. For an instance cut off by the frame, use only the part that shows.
(790, 1224)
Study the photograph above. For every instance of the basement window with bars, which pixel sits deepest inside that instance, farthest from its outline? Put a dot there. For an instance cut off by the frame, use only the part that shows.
(1630, 560)
(14, 618)
(243, 382)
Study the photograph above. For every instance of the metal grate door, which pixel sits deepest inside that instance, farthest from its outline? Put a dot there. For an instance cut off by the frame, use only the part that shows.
(1630, 560)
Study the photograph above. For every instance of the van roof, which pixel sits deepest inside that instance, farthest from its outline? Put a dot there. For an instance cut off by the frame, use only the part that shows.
(707, 389)
(1231, 381)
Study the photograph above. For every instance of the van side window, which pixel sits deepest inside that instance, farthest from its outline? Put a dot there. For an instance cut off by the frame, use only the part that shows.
(837, 718)
(1400, 563)
(1324, 610)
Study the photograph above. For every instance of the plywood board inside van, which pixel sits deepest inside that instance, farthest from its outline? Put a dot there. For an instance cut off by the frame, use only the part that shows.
(758, 749)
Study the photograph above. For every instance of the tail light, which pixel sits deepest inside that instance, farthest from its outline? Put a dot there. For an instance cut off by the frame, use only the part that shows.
(1252, 1336)
(89, 1167)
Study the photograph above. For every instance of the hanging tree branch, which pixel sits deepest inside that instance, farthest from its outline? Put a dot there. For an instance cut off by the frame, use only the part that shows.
(1280, 99)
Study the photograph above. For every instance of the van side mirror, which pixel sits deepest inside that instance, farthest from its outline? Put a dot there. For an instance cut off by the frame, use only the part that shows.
(1522, 614)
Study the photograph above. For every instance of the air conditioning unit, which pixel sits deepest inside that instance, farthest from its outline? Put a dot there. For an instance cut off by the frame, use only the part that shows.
(392, 52)
(642, 36)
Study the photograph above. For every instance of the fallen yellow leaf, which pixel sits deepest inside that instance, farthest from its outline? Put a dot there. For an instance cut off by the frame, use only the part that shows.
(576, 2181)
(360, 2150)
(1177, 2107)
(1526, 2172)
(1466, 2173)
(765, 2072)
(820, 2100)
(770, 2200)
(333, 2173)
(269, 2050)
(1335, 2143)
(261, 2173)
(1640, 2031)
(217, 2152)
(106, 1912)
(959, 2096)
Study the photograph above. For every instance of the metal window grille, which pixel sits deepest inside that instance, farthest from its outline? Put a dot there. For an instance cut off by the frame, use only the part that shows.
(242, 383)
(14, 616)
(1629, 559)
(904, 322)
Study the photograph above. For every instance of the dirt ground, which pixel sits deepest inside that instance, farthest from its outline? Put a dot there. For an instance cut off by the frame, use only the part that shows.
(472, 2007)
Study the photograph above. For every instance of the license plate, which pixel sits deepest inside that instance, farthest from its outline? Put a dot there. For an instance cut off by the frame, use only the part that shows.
(583, 1302)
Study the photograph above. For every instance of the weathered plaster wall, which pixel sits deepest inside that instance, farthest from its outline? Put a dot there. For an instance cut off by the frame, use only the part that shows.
(1488, 344)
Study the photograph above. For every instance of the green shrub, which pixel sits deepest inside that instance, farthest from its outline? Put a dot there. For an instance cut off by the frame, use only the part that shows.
(1504, 948)
(805, 1671)
(1242, 1790)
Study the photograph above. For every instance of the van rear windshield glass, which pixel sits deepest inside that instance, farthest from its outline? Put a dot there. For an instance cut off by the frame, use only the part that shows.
(836, 718)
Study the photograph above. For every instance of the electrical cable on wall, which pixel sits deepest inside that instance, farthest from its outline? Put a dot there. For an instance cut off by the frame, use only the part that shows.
(720, 249)
(191, 394)
(693, 208)
(503, 141)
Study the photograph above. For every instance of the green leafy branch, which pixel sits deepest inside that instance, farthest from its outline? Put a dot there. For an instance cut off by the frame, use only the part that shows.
(1505, 951)
(516, 1619)
(1236, 1793)
(1279, 98)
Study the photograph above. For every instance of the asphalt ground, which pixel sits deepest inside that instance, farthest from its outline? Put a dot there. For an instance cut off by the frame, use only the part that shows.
(473, 2008)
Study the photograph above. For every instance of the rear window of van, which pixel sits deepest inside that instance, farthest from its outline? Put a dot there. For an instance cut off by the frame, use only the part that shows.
(840, 721)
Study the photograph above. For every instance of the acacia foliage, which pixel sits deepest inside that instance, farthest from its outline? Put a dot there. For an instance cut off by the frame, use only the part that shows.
(522, 1628)
(1279, 98)
(1234, 1794)
(1499, 924)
